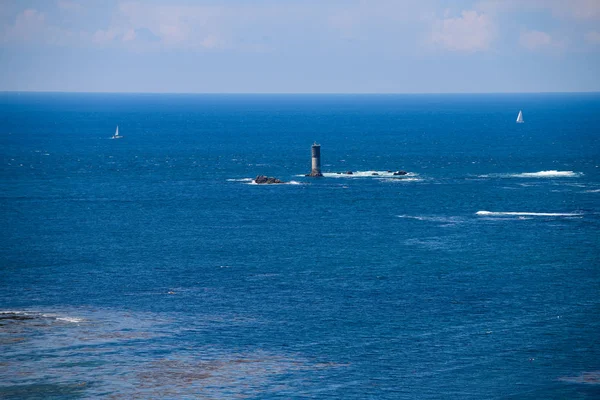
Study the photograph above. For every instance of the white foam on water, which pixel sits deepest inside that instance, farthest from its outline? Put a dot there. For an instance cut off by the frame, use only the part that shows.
(13, 312)
(547, 174)
(253, 182)
(433, 218)
(34, 314)
(589, 378)
(239, 180)
(70, 319)
(369, 174)
(592, 191)
(539, 174)
(402, 180)
(525, 214)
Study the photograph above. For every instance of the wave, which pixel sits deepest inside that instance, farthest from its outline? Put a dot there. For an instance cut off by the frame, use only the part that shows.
(70, 319)
(547, 174)
(402, 180)
(525, 214)
(250, 181)
(589, 378)
(370, 174)
(31, 315)
(253, 182)
(433, 218)
(540, 174)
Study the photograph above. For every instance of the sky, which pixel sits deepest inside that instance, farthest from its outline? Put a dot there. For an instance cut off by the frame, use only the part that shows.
(294, 46)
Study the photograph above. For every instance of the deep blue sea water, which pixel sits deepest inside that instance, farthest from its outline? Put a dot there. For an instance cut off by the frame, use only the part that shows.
(152, 267)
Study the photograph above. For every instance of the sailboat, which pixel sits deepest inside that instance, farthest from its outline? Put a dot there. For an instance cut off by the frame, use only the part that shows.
(116, 135)
(520, 118)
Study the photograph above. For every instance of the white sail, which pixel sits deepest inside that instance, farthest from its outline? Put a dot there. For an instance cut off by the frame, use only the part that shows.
(116, 135)
(520, 117)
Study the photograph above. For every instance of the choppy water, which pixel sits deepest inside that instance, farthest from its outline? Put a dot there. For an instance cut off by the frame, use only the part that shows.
(152, 267)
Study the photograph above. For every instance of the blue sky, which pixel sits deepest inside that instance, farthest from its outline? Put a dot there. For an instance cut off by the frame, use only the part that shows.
(293, 46)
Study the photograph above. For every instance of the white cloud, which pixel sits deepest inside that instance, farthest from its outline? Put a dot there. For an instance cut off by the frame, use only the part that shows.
(129, 35)
(538, 40)
(581, 9)
(573, 9)
(535, 40)
(146, 27)
(31, 26)
(470, 32)
(240, 26)
(69, 5)
(263, 25)
(593, 37)
(103, 37)
(27, 26)
(211, 42)
(175, 26)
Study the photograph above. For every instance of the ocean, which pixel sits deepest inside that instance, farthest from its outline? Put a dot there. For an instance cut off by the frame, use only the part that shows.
(152, 267)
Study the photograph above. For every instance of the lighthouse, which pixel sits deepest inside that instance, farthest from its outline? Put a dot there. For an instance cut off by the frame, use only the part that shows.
(316, 160)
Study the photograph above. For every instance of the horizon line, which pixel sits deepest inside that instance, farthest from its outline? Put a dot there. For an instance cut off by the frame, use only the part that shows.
(294, 93)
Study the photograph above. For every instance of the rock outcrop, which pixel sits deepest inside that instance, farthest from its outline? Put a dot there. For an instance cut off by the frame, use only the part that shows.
(400, 172)
(262, 180)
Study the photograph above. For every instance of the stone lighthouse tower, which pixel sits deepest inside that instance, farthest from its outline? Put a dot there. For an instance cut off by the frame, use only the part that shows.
(316, 160)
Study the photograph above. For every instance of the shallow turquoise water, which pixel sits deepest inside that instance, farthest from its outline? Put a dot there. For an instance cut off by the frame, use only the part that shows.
(151, 267)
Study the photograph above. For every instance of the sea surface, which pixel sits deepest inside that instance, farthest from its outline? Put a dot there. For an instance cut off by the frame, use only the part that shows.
(152, 267)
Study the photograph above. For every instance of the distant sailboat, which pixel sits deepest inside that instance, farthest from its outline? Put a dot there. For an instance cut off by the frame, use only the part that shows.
(116, 135)
(520, 118)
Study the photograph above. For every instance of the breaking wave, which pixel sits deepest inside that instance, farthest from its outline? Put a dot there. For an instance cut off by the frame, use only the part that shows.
(371, 174)
(539, 174)
(525, 214)
(13, 316)
(250, 181)
(589, 378)
(548, 174)
(253, 182)
(433, 218)
(240, 180)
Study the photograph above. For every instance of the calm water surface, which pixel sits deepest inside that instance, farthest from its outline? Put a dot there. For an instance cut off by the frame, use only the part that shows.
(152, 267)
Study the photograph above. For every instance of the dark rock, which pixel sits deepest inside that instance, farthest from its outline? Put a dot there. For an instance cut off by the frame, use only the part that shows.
(349, 173)
(261, 179)
(400, 173)
(374, 173)
(15, 317)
